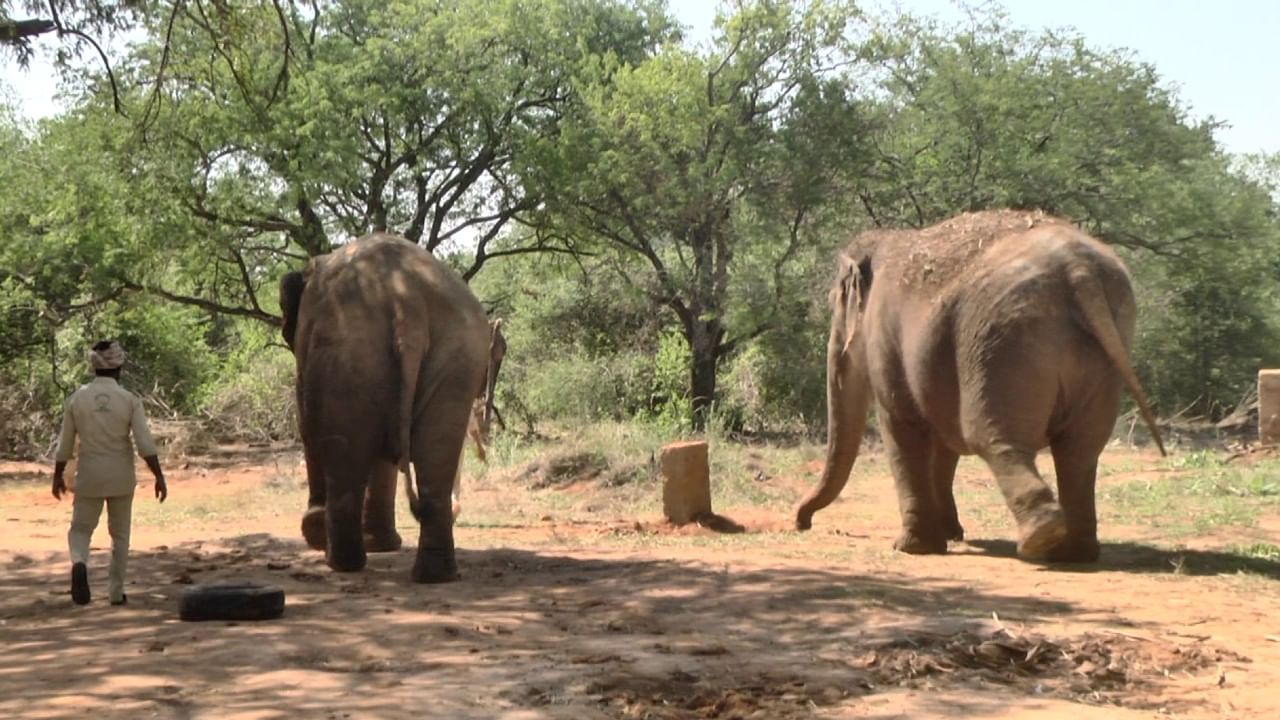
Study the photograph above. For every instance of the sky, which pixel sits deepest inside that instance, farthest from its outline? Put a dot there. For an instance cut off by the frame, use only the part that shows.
(1222, 56)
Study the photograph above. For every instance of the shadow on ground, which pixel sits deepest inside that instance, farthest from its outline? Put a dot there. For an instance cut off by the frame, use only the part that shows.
(538, 632)
(1141, 558)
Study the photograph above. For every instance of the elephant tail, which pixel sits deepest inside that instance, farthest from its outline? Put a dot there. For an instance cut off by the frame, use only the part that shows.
(410, 355)
(1091, 299)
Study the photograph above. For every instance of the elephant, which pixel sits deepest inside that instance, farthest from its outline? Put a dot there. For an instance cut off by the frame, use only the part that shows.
(995, 334)
(391, 351)
(483, 409)
(497, 352)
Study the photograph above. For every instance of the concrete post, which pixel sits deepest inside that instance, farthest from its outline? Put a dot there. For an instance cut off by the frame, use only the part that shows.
(686, 485)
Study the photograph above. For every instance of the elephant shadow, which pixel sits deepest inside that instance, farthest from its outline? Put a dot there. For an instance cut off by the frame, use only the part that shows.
(1135, 557)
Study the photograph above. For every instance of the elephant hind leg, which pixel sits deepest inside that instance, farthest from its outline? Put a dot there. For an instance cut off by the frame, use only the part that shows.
(911, 455)
(943, 472)
(1075, 457)
(346, 476)
(380, 509)
(313, 520)
(1041, 524)
(437, 451)
(1077, 476)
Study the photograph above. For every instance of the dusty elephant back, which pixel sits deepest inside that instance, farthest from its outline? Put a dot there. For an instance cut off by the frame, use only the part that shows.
(355, 293)
(948, 252)
(375, 317)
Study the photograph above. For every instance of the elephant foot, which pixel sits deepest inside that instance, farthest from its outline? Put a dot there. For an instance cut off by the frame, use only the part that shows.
(382, 542)
(1043, 532)
(915, 543)
(435, 566)
(347, 562)
(952, 530)
(1077, 550)
(313, 529)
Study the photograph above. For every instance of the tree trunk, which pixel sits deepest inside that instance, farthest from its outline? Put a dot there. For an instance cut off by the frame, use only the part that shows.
(704, 347)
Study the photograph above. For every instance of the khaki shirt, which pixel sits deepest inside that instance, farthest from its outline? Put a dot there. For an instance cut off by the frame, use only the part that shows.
(102, 413)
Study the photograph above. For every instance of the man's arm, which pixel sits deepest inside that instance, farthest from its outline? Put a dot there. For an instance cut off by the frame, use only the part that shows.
(66, 445)
(153, 462)
(147, 447)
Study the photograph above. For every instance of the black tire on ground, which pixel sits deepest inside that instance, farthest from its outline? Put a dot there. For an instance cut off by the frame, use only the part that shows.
(231, 601)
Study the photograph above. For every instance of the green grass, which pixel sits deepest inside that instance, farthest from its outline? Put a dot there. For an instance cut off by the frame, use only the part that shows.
(741, 474)
(276, 495)
(1257, 551)
(1207, 494)
(1198, 493)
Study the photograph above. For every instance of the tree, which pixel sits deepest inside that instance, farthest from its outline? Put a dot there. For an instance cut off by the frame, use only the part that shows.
(987, 115)
(77, 23)
(280, 129)
(80, 20)
(716, 170)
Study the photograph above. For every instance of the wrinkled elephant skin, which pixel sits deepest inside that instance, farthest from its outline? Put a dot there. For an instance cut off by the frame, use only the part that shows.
(996, 334)
(391, 350)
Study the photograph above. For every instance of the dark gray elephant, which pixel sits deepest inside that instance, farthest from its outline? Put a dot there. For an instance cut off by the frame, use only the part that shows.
(392, 350)
(995, 334)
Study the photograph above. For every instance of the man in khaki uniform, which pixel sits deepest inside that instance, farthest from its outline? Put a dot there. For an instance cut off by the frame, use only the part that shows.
(103, 415)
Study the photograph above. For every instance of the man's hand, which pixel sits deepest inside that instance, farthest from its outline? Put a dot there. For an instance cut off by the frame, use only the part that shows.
(153, 463)
(59, 482)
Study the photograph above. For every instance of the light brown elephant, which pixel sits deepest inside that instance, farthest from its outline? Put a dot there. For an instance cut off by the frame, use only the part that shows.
(391, 349)
(479, 423)
(497, 352)
(993, 334)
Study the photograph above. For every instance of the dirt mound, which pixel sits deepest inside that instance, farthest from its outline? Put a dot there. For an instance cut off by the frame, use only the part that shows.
(563, 469)
(1093, 668)
(571, 467)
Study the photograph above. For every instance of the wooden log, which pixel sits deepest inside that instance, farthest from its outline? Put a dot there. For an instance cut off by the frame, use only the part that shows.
(686, 485)
(1269, 407)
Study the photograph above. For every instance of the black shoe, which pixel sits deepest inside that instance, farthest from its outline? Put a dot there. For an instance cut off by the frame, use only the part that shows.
(124, 600)
(80, 584)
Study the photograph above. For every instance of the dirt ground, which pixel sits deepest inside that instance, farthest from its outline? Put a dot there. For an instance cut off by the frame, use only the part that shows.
(557, 616)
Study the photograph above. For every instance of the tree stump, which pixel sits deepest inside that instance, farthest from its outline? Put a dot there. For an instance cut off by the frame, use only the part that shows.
(686, 485)
(1269, 407)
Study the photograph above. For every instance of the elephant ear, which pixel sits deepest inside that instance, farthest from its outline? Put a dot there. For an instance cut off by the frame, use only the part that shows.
(849, 297)
(291, 287)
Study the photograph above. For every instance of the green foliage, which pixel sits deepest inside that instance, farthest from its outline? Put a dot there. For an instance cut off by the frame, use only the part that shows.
(168, 357)
(778, 384)
(713, 172)
(669, 398)
(579, 344)
(992, 116)
(701, 192)
(250, 396)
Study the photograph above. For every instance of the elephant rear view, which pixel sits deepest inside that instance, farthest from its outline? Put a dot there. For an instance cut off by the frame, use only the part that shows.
(391, 349)
(993, 334)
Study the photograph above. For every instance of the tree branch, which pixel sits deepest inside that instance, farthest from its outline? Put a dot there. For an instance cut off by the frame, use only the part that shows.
(106, 64)
(204, 304)
(154, 102)
(11, 31)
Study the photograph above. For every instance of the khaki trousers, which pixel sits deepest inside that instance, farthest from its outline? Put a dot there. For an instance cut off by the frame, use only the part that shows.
(85, 512)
